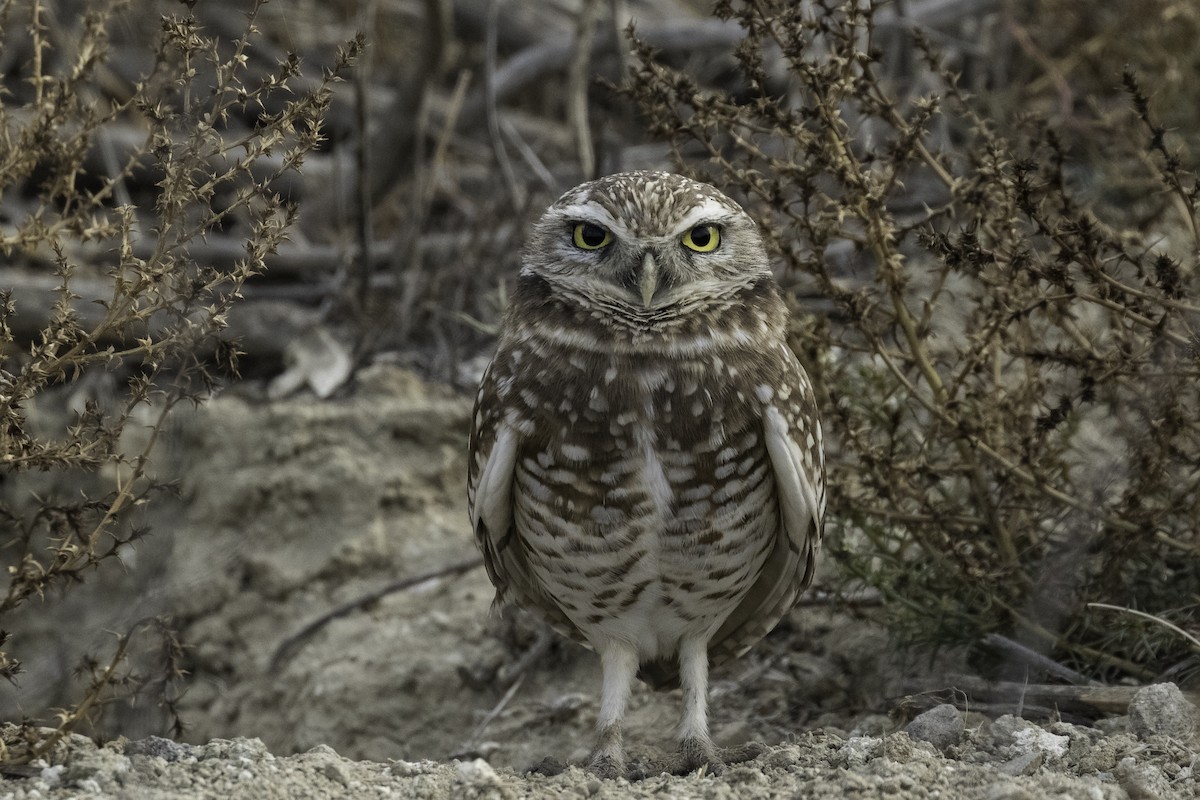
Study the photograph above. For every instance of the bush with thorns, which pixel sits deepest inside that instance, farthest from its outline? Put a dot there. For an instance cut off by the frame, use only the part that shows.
(1010, 374)
(215, 138)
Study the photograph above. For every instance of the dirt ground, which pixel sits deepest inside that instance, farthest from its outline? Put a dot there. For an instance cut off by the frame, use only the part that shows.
(289, 509)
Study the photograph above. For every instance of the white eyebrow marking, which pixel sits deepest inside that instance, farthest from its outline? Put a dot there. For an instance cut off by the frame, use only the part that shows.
(593, 212)
(708, 211)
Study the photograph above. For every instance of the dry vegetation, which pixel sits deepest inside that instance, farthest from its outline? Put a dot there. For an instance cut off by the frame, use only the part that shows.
(126, 223)
(1012, 374)
(1000, 307)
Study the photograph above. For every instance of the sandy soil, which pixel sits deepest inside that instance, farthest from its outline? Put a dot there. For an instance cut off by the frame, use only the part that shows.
(292, 508)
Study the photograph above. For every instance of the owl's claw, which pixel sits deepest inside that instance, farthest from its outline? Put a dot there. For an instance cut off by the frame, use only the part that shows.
(608, 759)
(741, 753)
(695, 754)
(699, 754)
(607, 767)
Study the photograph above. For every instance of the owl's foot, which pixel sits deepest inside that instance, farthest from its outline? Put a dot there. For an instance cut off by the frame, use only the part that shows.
(607, 767)
(608, 759)
(700, 754)
(740, 753)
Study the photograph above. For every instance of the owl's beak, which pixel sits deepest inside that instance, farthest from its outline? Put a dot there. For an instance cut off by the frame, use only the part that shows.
(649, 281)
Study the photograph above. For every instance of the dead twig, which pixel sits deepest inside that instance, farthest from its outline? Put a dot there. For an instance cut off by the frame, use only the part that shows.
(493, 120)
(1088, 701)
(289, 645)
(1037, 660)
(363, 162)
(408, 269)
(578, 71)
(517, 670)
(1195, 643)
(495, 712)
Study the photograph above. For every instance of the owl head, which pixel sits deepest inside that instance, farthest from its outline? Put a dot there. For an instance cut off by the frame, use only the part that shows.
(644, 242)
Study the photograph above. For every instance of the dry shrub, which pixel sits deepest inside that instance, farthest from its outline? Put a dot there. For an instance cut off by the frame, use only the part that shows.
(1011, 385)
(159, 327)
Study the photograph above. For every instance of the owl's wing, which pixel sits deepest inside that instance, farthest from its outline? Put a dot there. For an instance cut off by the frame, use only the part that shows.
(494, 449)
(792, 434)
(491, 463)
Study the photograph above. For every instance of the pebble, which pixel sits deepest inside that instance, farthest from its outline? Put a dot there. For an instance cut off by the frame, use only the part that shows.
(942, 726)
(1161, 709)
(477, 771)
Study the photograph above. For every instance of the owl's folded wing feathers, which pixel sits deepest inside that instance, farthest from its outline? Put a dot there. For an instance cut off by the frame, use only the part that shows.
(789, 433)
(495, 445)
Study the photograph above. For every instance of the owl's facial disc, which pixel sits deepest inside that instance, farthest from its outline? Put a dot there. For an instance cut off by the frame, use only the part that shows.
(644, 242)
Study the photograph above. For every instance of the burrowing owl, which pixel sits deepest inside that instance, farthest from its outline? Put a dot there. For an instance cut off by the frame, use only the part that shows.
(646, 465)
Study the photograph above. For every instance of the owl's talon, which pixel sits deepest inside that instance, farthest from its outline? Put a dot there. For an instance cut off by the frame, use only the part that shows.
(607, 767)
(740, 753)
(695, 754)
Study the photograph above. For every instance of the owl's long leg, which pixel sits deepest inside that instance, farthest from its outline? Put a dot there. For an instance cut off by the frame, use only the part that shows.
(619, 664)
(696, 749)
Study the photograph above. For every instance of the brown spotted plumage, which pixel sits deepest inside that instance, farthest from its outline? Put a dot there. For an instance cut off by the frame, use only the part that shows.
(646, 467)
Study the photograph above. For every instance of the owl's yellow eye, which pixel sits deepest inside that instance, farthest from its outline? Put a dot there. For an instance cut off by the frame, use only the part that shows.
(702, 238)
(591, 237)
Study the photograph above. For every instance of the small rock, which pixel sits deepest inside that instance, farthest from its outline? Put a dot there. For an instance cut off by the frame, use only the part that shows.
(1142, 781)
(941, 726)
(165, 749)
(745, 776)
(90, 786)
(477, 771)
(1162, 709)
(548, 766)
(1008, 791)
(858, 750)
(322, 750)
(52, 775)
(1045, 742)
(406, 769)
(782, 757)
(1003, 730)
(1023, 764)
(336, 772)
(233, 749)
(1016, 736)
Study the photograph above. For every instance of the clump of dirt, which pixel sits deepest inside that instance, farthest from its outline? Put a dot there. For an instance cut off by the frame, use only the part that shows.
(292, 508)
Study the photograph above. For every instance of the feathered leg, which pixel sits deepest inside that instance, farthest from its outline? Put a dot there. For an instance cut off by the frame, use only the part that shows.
(619, 663)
